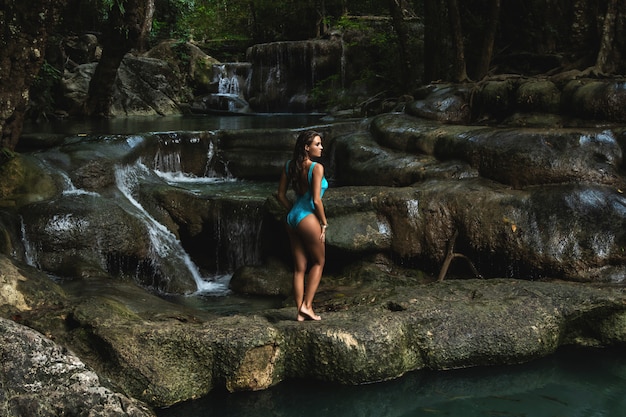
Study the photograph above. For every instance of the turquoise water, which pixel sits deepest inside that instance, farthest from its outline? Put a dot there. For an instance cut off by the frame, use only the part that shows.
(571, 383)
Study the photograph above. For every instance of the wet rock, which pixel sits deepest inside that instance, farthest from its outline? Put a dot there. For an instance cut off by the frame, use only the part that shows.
(519, 157)
(196, 67)
(538, 96)
(24, 181)
(162, 353)
(446, 104)
(95, 175)
(84, 235)
(498, 98)
(301, 65)
(26, 289)
(146, 86)
(275, 278)
(542, 226)
(365, 162)
(41, 378)
(221, 231)
(595, 99)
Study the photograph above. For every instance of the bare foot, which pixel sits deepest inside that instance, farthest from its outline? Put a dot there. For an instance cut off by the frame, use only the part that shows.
(300, 317)
(308, 314)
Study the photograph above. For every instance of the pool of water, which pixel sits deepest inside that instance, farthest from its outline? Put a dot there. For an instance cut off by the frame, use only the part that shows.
(142, 124)
(223, 302)
(573, 382)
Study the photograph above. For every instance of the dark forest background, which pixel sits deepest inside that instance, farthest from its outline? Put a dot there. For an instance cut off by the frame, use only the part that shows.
(462, 41)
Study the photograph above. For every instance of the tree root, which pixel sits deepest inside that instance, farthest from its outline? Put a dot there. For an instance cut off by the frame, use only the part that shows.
(450, 255)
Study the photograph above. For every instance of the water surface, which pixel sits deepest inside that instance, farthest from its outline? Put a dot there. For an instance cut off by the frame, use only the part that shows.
(143, 124)
(574, 382)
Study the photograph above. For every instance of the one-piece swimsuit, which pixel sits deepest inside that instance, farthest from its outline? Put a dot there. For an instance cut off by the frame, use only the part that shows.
(303, 205)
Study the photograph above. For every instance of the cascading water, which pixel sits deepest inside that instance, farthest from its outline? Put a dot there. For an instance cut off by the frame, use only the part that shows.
(68, 188)
(229, 96)
(201, 261)
(164, 243)
(284, 73)
(226, 84)
(167, 161)
(30, 252)
(235, 235)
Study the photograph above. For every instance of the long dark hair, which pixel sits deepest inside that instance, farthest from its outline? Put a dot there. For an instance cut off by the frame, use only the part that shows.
(294, 172)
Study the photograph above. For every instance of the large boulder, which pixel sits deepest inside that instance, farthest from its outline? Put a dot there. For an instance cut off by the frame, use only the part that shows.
(24, 180)
(447, 104)
(188, 60)
(595, 99)
(84, 235)
(41, 378)
(144, 87)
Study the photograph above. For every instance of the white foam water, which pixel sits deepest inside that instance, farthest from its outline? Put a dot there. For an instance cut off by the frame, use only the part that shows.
(163, 242)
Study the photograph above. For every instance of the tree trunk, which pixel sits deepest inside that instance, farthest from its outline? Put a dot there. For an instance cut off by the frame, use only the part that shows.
(460, 69)
(24, 29)
(146, 27)
(488, 42)
(434, 37)
(604, 63)
(124, 31)
(320, 24)
(402, 31)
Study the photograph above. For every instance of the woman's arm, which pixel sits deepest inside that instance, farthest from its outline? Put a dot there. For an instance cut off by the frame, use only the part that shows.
(316, 191)
(282, 191)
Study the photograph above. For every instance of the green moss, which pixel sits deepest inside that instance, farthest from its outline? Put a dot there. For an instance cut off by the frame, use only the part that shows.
(12, 173)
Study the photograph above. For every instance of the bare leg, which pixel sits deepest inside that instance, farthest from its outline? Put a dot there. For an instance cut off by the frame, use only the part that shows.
(309, 231)
(299, 269)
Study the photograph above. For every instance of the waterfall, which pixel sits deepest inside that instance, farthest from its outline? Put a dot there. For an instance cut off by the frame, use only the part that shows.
(167, 161)
(212, 160)
(70, 189)
(285, 74)
(30, 253)
(227, 84)
(164, 244)
(237, 233)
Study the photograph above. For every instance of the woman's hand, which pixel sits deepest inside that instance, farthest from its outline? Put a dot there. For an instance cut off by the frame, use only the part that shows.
(323, 235)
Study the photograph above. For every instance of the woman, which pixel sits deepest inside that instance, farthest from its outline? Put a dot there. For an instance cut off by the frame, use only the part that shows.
(306, 220)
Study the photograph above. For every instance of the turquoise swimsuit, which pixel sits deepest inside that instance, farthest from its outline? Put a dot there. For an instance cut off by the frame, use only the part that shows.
(304, 203)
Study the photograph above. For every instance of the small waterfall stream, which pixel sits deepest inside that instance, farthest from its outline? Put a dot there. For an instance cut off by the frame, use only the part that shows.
(186, 161)
(228, 83)
(30, 251)
(163, 242)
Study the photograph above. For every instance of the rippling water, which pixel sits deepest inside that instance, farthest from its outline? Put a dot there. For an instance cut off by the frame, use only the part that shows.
(571, 383)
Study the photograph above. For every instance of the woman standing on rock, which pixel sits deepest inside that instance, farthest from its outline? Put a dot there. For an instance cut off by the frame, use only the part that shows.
(306, 220)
